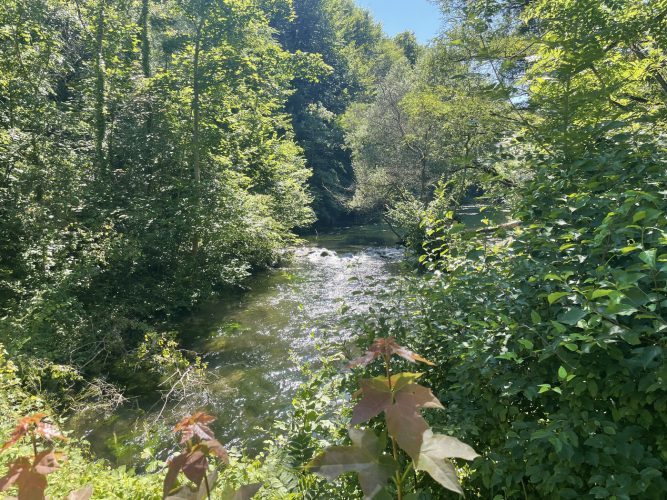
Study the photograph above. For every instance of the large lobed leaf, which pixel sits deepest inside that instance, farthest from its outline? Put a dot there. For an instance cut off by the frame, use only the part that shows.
(377, 394)
(365, 457)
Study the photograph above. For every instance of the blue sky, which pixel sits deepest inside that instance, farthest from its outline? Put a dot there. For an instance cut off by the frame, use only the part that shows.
(396, 16)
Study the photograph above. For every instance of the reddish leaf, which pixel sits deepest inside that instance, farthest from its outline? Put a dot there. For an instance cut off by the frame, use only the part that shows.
(47, 462)
(30, 478)
(217, 449)
(365, 458)
(31, 485)
(16, 468)
(174, 466)
(387, 348)
(377, 395)
(195, 466)
(22, 429)
(44, 429)
(411, 356)
(196, 425)
(404, 420)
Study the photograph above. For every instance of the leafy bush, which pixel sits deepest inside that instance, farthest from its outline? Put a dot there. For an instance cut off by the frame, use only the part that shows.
(550, 340)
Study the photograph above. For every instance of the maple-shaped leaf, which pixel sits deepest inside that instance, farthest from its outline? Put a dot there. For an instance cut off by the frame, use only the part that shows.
(377, 394)
(404, 420)
(193, 464)
(365, 457)
(30, 477)
(434, 455)
(246, 492)
(196, 425)
(33, 422)
(386, 348)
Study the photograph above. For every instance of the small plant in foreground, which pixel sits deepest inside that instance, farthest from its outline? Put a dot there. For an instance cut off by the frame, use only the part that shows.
(401, 399)
(200, 445)
(28, 474)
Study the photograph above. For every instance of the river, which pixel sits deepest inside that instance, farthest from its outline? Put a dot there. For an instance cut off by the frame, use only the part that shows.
(254, 343)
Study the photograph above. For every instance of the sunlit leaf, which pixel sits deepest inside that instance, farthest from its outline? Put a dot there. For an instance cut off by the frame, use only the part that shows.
(434, 455)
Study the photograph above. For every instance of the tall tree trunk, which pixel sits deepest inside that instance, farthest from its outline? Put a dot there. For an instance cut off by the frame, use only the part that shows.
(145, 39)
(423, 179)
(196, 153)
(100, 118)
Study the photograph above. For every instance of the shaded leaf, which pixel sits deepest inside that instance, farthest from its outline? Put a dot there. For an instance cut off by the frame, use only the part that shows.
(365, 458)
(217, 449)
(188, 492)
(433, 458)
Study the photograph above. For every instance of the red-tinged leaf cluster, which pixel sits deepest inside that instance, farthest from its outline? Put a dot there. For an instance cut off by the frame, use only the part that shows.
(386, 348)
(30, 475)
(195, 425)
(402, 399)
(33, 423)
(200, 445)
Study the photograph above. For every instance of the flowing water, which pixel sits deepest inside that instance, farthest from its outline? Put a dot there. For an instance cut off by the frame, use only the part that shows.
(255, 343)
(259, 342)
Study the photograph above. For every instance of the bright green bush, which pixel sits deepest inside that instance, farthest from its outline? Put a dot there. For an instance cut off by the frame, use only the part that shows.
(550, 340)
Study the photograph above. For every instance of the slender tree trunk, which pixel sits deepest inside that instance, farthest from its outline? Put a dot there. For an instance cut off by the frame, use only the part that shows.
(423, 179)
(196, 153)
(100, 118)
(145, 39)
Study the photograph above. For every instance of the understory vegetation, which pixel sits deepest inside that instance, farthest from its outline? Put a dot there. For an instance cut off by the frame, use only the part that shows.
(157, 153)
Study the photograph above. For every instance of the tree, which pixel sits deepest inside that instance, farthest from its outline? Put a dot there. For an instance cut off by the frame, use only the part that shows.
(417, 133)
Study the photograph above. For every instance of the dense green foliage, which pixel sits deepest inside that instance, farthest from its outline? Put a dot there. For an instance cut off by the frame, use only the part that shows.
(142, 169)
(550, 335)
(153, 153)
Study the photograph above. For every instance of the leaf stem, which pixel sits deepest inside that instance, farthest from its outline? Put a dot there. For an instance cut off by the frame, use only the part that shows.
(34, 443)
(208, 488)
(398, 479)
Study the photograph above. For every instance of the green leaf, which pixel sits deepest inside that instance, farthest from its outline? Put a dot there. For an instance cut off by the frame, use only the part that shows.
(649, 257)
(526, 343)
(555, 296)
(243, 493)
(630, 249)
(562, 373)
(535, 317)
(572, 316)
